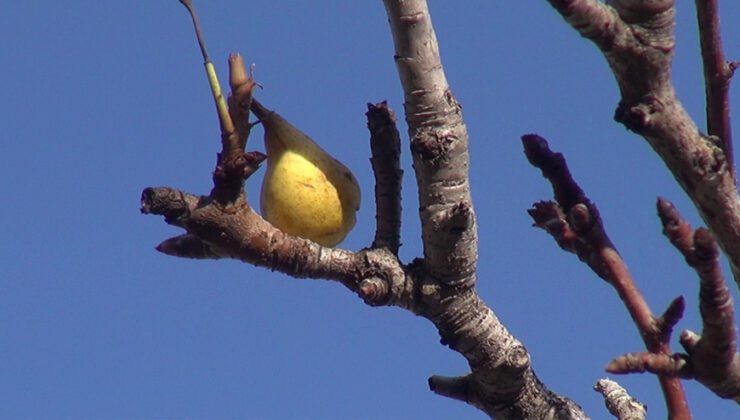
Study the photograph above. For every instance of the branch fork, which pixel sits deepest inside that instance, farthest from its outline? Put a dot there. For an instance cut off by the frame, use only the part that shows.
(582, 232)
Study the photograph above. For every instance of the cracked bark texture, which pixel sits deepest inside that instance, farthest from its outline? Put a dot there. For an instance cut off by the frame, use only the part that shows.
(637, 40)
(502, 382)
(439, 286)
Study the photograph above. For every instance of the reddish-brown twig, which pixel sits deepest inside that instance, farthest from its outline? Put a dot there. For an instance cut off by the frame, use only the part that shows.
(574, 221)
(713, 356)
(717, 75)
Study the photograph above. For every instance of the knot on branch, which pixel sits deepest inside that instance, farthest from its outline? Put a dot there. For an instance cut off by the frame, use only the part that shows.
(639, 117)
(237, 166)
(517, 358)
(165, 201)
(461, 219)
(374, 291)
(581, 218)
(712, 164)
(432, 146)
(451, 223)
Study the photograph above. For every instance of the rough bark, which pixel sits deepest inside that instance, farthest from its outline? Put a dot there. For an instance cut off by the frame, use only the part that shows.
(637, 40)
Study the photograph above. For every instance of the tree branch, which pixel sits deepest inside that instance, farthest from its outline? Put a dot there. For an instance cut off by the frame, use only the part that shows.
(441, 285)
(577, 219)
(637, 40)
(385, 145)
(713, 358)
(439, 146)
(502, 382)
(717, 75)
(238, 232)
(223, 225)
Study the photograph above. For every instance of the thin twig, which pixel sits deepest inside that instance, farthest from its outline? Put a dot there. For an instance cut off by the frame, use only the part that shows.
(717, 75)
(385, 145)
(713, 356)
(592, 245)
(638, 42)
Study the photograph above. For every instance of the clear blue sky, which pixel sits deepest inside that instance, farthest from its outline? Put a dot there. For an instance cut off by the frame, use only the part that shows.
(102, 99)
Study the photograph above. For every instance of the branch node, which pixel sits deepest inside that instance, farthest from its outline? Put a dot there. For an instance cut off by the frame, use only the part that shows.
(374, 291)
(705, 247)
(168, 202)
(431, 290)
(580, 218)
(639, 117)
(671, 316)
(518, 358)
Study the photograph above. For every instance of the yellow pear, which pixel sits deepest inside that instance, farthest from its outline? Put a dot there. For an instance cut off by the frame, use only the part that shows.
(305, 191)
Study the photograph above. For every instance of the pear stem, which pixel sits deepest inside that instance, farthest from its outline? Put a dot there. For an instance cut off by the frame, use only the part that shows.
(221, 107)
(259, 110)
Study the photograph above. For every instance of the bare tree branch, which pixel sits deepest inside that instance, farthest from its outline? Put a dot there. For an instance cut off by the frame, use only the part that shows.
(657, 363)
(385, 145)
(501, 382)
(637, 40)
(438, 287)
(717, 75)
(439, 146)
(575, 216)
(713, 358)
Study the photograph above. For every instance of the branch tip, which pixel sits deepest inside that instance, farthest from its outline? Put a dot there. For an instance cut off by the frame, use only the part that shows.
(457, 388)
(671, 316)
(666, 211)
(373, 291)
(553, 167)
(657, 363)
(689, 340)
(187, 246)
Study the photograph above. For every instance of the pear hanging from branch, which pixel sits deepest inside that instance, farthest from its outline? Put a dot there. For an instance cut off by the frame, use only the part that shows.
(305, 192)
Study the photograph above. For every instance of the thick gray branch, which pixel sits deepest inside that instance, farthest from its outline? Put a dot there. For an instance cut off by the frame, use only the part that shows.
(501, 382)
(439, 145)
